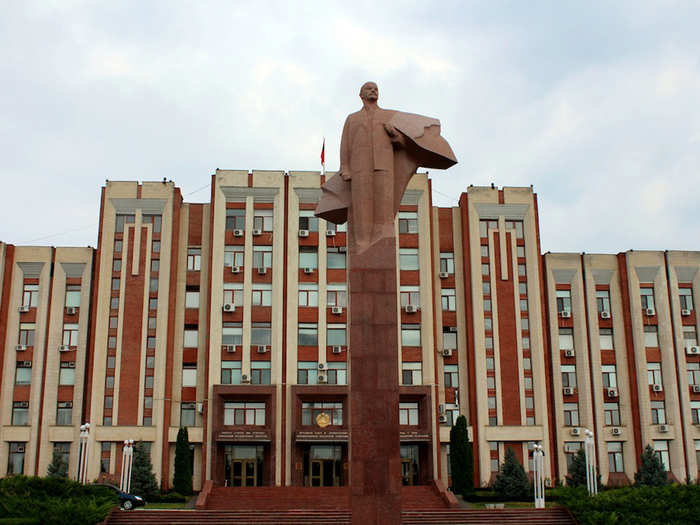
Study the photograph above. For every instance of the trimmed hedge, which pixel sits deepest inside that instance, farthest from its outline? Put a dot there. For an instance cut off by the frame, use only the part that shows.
(53, 501)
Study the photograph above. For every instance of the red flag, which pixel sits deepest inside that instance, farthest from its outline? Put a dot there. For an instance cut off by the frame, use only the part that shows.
(323, 153)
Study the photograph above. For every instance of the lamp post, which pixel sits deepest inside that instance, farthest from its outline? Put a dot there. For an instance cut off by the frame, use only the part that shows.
(538, 462)
(81, 474)
(589, 449)
(127, 461)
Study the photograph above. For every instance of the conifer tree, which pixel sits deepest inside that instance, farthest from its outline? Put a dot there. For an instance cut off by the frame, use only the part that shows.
(58, 468)
(461, 460)
(182, 477)
(512, 482)
(143, 481)
(651, 472)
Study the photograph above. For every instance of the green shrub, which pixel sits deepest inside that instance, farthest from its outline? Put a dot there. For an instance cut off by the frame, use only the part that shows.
(577, 476)
(511, 482)
(143, 481)
(182, 477)
(461, 458)
(651, 472)
(172, 497)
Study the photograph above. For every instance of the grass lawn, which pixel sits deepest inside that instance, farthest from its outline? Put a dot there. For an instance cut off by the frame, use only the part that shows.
(513, 504)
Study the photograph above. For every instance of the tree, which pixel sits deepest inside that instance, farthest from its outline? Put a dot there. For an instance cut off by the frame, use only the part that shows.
(143, 481)
(182, 477)
(461, 458)
(511, 481)
(577, 476)
(58, 468)
(651, 472)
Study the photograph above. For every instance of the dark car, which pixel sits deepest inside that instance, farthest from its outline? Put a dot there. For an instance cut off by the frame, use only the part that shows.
(126, 501)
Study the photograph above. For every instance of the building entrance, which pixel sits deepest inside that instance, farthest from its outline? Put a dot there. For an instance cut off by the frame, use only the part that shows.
(244, 465)
(323, 466)
(410, 462)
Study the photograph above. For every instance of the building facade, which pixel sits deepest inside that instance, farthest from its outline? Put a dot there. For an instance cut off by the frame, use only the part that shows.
(229, 318)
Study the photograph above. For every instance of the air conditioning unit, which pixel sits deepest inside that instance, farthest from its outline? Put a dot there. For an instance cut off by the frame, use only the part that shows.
(663, 428)
(447, 352)
(692, 350)
(21, 348)
(229, 307)
(27, 364)
(308, 270)
(330, 233)
(322, 378)
(452, 329)
(605, 314)
(66, 404)
(257, 232)
(337, 310)
(410, 309)
(612, 392)
(565, 314)
(231, 349)
(649, 312)
(696, 389)
(444, 275)
(23, 309)
(441, 408)
(262, 271)
(235, 269)
(19, 448)
(616, 431)
(569, 390)
(245, 378)
(262, 349)
(238, 233)
(71, 364)
(200, 408)
(685, 313)
(342, 249)
(23, 404)
(337, 349)
(443, 419)
(575, 431)
(569, 353)
(303, 233)
(322, 366)
(657, 388)
(71, 310)
(64, 348)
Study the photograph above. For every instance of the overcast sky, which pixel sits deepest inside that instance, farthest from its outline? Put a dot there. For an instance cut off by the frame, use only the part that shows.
(596, 104)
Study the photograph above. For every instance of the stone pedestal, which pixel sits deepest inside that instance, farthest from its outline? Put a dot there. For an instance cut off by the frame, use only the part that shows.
(375, 462)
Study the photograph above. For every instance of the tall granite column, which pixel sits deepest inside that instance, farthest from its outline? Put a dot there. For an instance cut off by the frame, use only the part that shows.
(375, 462)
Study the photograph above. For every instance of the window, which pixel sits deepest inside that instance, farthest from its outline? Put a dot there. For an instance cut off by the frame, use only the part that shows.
(190, 339)
(189, 374)
(686, 297)
(148, 382)
(522, 287)
(606, 339)
(311, 411)
(307, 373)
(308, 257)
(521, 251)
(563, 301)
(523, 305)
(337, 373)
(232, 334)
(409, 295)
(491, 402)
(484, 269)
(647, 295)
(262, 220)
(336, 258)
(566, 339)
(408, 258)
(117, 246)
(451, 376)
(603, 300)
(690, 336)
(484, 250)
(489, 363)
(408, 413)
(15, 462)
(155, 220)
(571, 414)
(661, 450)
(693, 375)
(66, 373)
(26, 334)
(23, 373)
(528, 383)
(153, 285)
(488, 324)
(109, 382)
(449, 299)
(150, 362)
(234, 256)
(524, 324)
(64, 413)
(571, 448)
(156, 246)
(121, 220)
(449, 338)
(308, 334)
(527, 363)
(609, 376)
(30, 295)
(114, 303)
(187, 414)
(194, 259)
(452, 413)
(261, 334)
(308, 295)
(526, 343)
(262, 294)
(262, 256)
(658, 413)
(651, 336)
(529, 403)
(568, 376)
(522, 272)
(612, 414)
(116, 283)
(615, 463)
(654, 373)
(447, 262)
(235, 219)
(192, 299)
(111, 361)
(233, 293)
(337, 295)
(62, 449)
(73, 295)
(695, 412)
(336, 335)
(411, 373)
(488, 342)
(337, 227)
(20, 413)
(410, 335)
(117, 265)
(308, 221)
(70, 334)
(408, 222)
(260, 373)
(697, 453)
(230, 372)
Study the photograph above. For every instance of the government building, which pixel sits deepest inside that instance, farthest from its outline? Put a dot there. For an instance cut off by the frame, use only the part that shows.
(230, 318)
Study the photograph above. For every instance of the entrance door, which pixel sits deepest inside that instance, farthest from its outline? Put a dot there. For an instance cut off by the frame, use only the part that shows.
(323, 466)
(323, 473)
(244, 465)
(410, 461)
(245, 473)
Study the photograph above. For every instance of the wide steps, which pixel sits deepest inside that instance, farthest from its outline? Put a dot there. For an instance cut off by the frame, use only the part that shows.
(552, 516)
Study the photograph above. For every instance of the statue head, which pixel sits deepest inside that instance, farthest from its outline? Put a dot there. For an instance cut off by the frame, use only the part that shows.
(369, 92)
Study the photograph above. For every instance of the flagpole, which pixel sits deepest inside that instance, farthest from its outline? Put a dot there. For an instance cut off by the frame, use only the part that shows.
(323, 157)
